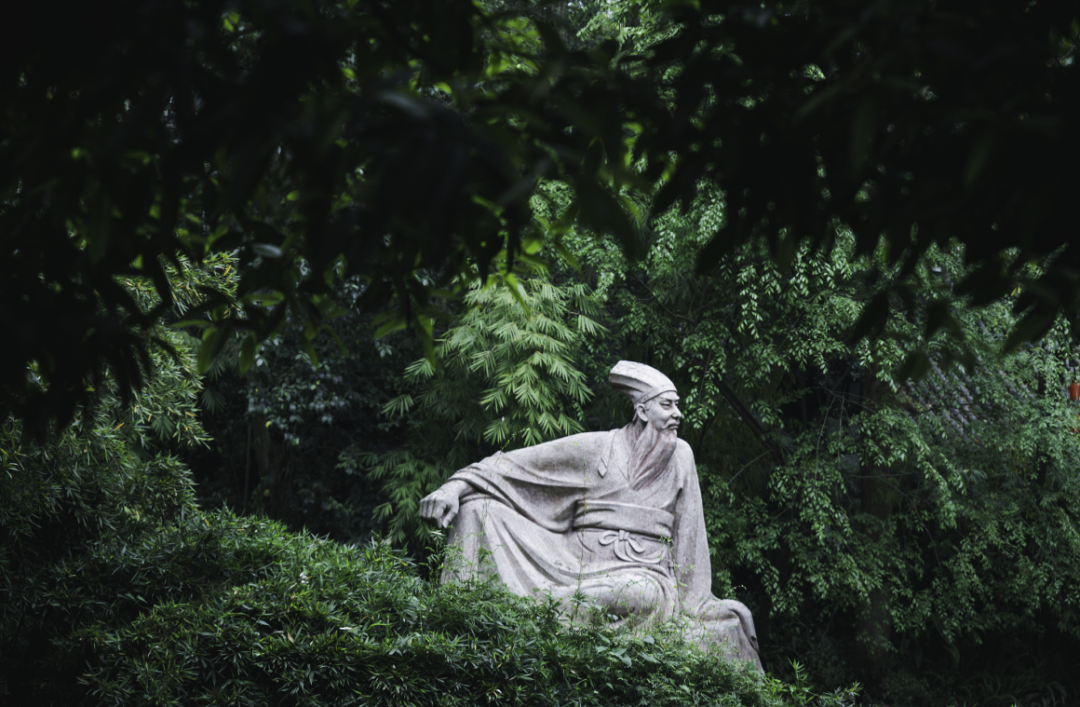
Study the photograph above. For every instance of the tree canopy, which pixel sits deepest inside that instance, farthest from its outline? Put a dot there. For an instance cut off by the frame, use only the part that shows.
(917, 122)
(401, 142)
(398, 143)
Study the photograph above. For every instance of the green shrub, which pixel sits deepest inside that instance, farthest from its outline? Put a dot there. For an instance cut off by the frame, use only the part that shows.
(270, 617)
(117, 591)
(73, 515)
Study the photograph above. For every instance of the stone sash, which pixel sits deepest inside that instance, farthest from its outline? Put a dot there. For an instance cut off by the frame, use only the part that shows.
(608, 515)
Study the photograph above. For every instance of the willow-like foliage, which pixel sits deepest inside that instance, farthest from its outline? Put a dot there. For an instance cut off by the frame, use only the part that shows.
(508, 375)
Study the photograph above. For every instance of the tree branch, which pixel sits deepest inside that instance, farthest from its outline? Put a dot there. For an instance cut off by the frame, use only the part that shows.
(751, 421)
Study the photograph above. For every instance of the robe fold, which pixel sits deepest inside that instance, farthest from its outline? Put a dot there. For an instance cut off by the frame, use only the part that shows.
(562, 518)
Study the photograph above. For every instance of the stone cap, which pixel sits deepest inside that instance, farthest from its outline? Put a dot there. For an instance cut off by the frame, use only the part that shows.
(642, 383)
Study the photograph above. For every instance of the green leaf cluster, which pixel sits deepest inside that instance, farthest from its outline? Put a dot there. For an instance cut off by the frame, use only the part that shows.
(280, 427)
(507, 375)
(297, 619)
(70, 508)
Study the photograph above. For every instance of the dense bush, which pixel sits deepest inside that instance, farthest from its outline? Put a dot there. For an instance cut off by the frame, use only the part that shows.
(70, 508)
(218, 609)
(292, 619)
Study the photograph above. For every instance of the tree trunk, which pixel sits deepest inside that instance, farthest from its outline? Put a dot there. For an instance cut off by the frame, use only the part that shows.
(268, 461)
(878, 498)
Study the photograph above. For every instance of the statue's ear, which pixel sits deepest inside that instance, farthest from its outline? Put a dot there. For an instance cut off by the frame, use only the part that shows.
(639, 411)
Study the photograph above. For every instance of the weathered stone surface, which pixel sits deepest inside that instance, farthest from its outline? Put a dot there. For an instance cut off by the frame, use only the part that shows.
(613, 516)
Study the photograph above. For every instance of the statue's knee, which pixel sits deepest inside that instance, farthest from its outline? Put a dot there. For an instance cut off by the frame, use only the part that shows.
(637, 596)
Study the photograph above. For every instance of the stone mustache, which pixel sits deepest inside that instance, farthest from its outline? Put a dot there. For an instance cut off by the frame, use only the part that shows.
(615, 516)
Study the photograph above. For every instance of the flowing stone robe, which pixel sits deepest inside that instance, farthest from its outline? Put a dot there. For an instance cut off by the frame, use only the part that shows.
(563, 517)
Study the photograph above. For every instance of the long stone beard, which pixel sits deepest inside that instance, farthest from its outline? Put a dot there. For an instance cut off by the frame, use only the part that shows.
(651, 454)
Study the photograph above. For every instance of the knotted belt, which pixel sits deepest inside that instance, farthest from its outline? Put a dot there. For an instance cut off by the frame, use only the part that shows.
(623, 522)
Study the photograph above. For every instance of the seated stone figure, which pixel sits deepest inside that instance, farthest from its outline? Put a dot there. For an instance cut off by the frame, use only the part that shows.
(615, 516)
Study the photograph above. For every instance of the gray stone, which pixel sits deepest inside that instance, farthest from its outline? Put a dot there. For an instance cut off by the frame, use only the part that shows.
(614, 517)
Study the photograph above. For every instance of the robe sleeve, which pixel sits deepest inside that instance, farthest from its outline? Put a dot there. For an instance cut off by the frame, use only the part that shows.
(541, 482)
(693, 568)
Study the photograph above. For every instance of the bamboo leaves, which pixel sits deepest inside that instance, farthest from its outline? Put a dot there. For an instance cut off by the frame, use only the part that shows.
(508, 376)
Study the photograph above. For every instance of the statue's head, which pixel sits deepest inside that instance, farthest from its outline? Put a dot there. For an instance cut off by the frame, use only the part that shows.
(653, 394)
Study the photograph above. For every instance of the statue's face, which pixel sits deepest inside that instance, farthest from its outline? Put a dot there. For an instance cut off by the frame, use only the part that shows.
(662, 412)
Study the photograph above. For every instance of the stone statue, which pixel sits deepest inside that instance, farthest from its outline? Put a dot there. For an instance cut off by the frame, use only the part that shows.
(614, 516)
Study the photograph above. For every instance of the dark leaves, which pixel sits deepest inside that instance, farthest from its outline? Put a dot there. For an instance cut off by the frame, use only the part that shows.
(331, 126)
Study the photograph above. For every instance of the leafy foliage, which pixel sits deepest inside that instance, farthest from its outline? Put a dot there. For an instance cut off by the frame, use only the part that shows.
(814, 114)
(506, 377)
(401, 144)
(69, 509)
(316, 140)
(317, 622)
(280, 428)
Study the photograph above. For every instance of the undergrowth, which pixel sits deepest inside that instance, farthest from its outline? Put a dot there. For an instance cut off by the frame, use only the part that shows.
(221, 610)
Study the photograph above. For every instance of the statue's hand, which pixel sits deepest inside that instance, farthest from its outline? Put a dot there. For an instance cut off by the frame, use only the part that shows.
(441, 506)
